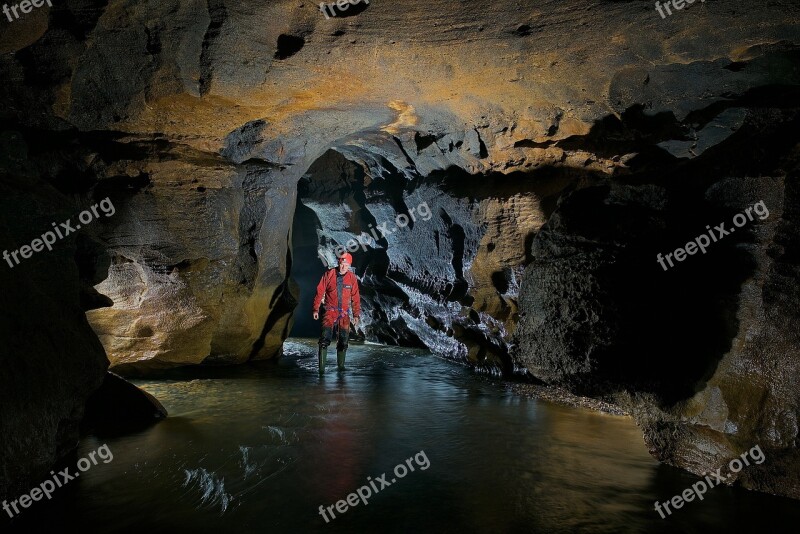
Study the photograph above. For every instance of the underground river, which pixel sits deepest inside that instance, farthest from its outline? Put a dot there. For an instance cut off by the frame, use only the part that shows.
(260, 448)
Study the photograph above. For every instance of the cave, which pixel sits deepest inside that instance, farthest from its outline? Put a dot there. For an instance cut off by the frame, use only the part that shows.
(422, 248)
(575, 256)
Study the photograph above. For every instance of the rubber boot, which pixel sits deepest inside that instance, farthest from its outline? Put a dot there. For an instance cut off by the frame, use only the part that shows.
(340, 354)
(323, 356)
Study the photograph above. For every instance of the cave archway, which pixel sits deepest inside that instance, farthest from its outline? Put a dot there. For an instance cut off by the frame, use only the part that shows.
(328, 214)
(439, 257)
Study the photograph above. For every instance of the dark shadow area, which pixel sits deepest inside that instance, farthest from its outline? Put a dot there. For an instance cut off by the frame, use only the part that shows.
(547, 184)
(666, 330)
(639, 131)
(218, 14)
(614, 318)
(288, 45)
(282, 304)
(307, 268)
(118, 408)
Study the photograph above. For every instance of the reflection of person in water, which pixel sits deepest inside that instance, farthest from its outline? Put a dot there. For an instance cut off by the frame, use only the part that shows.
(338, 288)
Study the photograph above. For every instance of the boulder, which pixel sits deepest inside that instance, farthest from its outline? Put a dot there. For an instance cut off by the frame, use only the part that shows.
(119, 407)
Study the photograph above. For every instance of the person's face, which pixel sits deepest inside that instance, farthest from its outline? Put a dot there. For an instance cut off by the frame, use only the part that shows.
(343, 266)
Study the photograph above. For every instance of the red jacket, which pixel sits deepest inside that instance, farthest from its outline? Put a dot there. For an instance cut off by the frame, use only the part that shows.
(350, 293)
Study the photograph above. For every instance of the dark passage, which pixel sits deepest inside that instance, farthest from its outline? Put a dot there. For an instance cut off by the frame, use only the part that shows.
(307, 268)
(333, 186)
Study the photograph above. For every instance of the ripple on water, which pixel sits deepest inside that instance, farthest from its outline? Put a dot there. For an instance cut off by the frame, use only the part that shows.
(258, 448)
(210, 487)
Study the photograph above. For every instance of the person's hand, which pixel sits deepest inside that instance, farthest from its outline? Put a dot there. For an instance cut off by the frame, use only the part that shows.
(355, 322)
(316, 316)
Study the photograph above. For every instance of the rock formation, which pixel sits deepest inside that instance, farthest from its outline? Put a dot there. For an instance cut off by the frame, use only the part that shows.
(51, 360)
(704, 354)
(118, 407)
(210, 124)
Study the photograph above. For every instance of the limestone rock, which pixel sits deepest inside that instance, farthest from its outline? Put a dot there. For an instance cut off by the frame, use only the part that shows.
(705, 353)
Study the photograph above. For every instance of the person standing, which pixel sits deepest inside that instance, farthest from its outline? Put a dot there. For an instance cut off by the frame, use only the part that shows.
(339, 288)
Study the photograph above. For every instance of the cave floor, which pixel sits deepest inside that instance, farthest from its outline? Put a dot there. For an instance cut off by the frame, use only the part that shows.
(260, 448)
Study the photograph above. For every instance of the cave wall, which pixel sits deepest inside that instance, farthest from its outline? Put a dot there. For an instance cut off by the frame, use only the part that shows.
(198, 256)
(226, 118)
(705, 354)
(752, 395)
(50, 360)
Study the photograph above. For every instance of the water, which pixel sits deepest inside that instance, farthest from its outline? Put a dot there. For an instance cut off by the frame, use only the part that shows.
(260, 448)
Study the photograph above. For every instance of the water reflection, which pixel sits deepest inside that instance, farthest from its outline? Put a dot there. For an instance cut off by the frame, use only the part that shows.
(260, 448)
